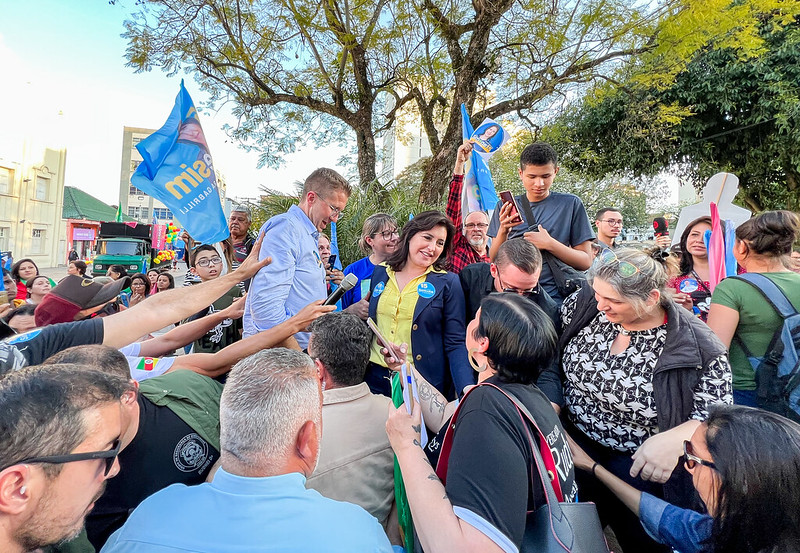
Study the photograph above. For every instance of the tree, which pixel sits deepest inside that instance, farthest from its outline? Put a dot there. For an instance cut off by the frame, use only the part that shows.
(724, 112)
(328, 70)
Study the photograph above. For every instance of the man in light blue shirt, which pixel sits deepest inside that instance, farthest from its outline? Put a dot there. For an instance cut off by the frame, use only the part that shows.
(296, 276)
(270, 431)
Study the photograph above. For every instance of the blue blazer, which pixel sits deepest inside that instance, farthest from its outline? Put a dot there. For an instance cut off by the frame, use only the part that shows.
(437, 332)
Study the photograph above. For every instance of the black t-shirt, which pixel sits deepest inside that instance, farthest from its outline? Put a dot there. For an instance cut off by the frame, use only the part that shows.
(165, 451)
(34, 346)
(490, 460)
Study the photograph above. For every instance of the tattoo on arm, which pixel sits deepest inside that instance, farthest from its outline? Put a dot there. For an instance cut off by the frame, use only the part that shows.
(438, 403)
(425, 392)
(416, 443)
(416, 427)
(432, 476)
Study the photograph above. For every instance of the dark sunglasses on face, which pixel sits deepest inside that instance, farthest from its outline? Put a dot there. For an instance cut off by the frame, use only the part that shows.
(691, 460)
(108, 455)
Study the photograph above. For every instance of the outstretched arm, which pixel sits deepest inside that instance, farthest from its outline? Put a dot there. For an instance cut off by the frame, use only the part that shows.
(173, 305)
(187, 333)
(216, 364)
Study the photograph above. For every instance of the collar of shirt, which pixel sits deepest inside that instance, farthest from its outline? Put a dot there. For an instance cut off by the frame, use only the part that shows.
(301, 216)
(283, 484)
(343, 395)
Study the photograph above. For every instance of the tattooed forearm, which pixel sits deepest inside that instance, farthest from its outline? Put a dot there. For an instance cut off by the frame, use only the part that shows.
(416, 443)
(425, 392)
(438, 402)
(416, 427)
(432, 476)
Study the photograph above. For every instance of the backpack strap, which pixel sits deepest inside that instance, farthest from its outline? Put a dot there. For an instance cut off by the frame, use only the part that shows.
(771, 292)
(773, 295)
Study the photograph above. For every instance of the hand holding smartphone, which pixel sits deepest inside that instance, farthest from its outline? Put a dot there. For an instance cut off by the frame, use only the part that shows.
(382, 340)
(508, 198)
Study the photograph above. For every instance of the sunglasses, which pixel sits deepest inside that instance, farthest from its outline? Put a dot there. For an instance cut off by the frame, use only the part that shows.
(625, 268)
(691, 460)
(108, 455)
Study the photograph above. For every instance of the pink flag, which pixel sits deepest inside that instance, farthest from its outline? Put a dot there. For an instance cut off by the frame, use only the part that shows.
(716, 250)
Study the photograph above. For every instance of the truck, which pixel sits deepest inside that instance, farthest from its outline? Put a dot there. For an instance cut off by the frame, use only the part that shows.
(121, 244)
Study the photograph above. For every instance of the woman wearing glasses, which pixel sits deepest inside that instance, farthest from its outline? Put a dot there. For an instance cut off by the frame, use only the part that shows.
(639, 374)
(140, 288)
(414, 300)
(378, 240)
(745, 465)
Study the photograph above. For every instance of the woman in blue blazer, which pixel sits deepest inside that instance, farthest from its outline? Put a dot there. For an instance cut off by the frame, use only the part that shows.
(413, 299)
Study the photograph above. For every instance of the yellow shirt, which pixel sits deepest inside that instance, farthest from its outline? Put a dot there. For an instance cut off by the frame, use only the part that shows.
(395, 312)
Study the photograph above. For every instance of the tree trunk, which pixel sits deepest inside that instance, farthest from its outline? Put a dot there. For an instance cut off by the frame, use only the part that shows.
(438, 172)
(366, 155)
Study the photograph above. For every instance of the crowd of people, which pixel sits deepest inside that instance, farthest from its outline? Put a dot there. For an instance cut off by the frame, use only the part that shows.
(240, 413)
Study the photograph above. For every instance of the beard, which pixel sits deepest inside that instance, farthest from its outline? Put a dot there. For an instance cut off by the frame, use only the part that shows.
(477, 242)
(43, 528)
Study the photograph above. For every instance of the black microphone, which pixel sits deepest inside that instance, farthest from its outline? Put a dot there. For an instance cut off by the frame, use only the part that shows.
(661, 226)
(348, 283)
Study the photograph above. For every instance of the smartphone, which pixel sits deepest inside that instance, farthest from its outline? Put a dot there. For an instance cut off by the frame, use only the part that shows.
(507, 197)
(383, 341)
(331, 261)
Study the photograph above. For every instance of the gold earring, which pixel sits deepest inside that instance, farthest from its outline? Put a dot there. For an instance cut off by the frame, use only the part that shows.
(473, 363)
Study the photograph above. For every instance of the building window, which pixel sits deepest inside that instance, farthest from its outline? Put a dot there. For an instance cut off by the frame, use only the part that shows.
(5, 180)
(42, 187)
(133, 191)
(37, 241)
(133, 212)
(162, 213)
(5, 235)
(145, 212)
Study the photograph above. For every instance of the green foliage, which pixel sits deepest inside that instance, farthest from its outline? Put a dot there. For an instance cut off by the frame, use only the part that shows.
(724, 112)
(399, 200)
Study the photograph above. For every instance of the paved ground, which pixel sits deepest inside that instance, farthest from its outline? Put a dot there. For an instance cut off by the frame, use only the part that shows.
(57, 273)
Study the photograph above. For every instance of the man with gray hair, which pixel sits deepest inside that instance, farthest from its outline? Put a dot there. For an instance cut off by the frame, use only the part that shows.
(270, 423)
(239, 225)
(353, 466)
(61, 429)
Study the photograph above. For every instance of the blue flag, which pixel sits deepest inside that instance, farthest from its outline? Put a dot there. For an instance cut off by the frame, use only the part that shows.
(335, 247)
(177, 169)
(478, 193)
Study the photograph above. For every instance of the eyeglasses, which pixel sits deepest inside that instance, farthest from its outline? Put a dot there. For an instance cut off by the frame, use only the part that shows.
(109, 455)
(512, 290)
(335, 211)
(691, 460)
(387, 234)
(626, 268)
(471, 226)
(209, 261)
(612, 222)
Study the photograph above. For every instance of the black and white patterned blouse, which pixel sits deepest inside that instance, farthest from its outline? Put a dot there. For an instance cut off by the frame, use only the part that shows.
(610, 397)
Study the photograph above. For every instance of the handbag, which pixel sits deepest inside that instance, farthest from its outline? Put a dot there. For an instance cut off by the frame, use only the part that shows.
(567, 278)
(556, 526)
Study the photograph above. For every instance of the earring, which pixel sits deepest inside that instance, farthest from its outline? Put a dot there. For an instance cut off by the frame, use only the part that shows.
(473, 363)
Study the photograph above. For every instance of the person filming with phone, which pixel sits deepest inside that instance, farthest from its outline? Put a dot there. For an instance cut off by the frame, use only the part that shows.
(560, 227)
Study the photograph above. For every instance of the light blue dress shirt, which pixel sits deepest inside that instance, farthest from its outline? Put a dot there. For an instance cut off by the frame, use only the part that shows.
(295, 278)
(236, 514)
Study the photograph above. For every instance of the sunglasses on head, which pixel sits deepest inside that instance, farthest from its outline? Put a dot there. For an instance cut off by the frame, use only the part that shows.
(691, 460)
(625, 268)
(108, 455)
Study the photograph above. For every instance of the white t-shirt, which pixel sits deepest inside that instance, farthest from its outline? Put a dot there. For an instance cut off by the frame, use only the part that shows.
(143, 368)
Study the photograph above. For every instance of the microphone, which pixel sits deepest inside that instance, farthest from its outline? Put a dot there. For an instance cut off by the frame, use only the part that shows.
(661, 226)
(348, 283)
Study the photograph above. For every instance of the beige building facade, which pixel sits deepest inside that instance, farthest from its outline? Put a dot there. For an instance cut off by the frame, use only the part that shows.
(31, 201)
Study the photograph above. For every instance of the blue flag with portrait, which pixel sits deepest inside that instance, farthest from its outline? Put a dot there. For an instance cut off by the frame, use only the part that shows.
(177, 170)
(478, 193)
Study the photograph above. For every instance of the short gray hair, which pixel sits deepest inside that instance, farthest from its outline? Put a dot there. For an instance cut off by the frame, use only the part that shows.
(243, 209)
(267, 398)
(521, 254)
(636, 288)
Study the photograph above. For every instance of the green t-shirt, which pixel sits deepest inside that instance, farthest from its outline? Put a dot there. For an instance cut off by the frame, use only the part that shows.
(758, 321)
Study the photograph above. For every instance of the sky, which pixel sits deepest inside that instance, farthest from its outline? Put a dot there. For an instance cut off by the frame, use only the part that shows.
(65, 84)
